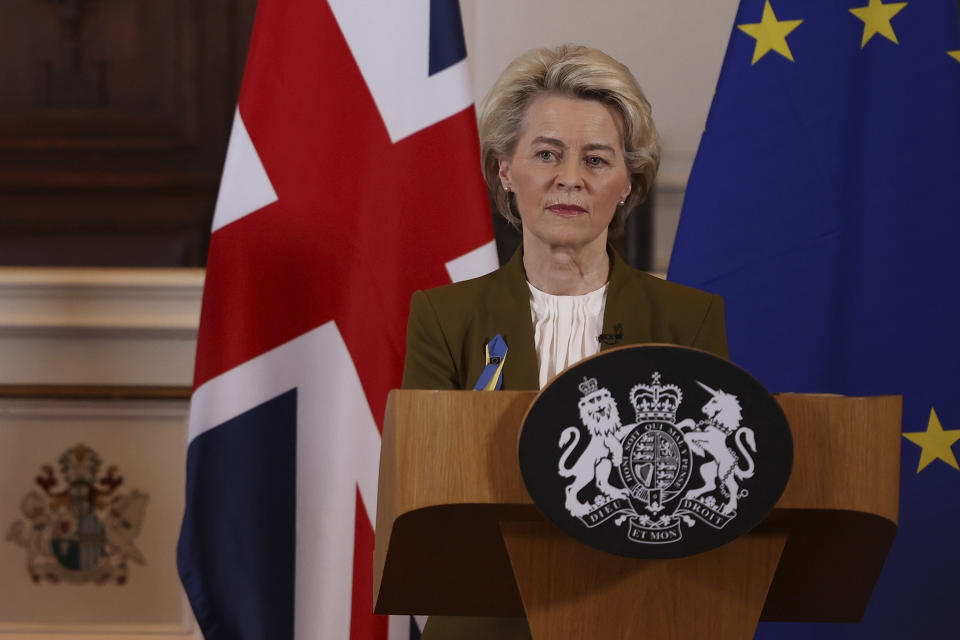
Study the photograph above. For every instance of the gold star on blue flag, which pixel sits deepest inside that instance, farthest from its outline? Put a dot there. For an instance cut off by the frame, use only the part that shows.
(876, 18)
(824, 206)
(770, 34)
(935, 443)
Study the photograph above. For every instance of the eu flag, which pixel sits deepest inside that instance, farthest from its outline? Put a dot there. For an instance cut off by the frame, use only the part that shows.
(824, 205)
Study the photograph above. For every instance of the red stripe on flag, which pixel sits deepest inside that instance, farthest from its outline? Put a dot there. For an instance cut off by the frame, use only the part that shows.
(363, 624)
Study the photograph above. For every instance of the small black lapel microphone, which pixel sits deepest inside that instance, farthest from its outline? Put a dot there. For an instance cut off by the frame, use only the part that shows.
(612, 338)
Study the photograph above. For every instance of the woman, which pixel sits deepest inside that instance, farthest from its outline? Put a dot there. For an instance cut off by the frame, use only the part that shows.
(568, 148)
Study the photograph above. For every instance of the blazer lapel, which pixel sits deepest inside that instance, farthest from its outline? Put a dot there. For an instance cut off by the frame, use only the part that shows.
(626, 305)
(509, 315)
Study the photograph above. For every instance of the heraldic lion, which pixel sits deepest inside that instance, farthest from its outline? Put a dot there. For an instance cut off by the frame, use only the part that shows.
(598, 412)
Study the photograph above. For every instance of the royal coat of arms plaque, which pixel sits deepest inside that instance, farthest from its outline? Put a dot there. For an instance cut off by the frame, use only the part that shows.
(655, 451)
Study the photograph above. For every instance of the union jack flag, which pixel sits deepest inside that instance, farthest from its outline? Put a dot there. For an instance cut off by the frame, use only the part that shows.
(352, 178)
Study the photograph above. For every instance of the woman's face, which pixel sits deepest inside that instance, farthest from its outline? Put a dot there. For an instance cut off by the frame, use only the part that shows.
(568, 172)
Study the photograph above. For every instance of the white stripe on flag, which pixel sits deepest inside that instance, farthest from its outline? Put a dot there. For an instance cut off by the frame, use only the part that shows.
(399, 628)
(473, 264)
(407, 97)
(244, 185)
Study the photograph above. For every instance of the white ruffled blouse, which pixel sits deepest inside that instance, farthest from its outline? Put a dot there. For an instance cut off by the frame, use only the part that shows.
(565, 328)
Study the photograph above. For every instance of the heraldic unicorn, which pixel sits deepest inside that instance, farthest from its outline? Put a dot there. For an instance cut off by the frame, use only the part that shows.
(653, 458)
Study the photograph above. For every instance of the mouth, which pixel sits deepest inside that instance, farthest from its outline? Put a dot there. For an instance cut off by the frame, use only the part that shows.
(601, 413)
(567, 210)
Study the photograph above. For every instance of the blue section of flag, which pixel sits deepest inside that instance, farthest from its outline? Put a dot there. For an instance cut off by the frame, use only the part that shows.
(824, 206)
(447, 44)
(238, 513)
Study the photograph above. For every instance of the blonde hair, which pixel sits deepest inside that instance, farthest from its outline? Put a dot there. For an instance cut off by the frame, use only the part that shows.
(578, 72)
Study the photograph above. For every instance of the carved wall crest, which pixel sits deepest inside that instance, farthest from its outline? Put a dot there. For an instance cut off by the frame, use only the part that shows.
(78, 527)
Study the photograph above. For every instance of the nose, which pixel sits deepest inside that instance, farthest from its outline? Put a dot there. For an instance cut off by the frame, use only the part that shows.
(568, 174)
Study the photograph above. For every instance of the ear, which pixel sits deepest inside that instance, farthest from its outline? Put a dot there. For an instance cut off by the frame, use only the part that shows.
(626, 190)
(504, 174)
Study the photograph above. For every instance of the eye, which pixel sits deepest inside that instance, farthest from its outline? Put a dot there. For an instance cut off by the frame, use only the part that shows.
(595, 161)
(545, 155)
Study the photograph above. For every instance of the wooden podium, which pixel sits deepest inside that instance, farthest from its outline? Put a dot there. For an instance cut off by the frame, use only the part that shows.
(457, 533)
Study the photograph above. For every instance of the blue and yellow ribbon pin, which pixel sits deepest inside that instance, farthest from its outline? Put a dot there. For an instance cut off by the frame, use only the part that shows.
(491, 378)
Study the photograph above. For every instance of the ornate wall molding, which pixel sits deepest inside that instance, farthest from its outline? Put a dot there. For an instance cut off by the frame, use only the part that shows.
(98, 326)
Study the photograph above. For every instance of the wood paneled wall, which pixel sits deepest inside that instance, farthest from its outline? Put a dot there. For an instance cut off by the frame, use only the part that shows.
(114, 119)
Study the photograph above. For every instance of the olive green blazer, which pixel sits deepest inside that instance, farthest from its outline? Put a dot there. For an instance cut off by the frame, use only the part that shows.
(450, 326)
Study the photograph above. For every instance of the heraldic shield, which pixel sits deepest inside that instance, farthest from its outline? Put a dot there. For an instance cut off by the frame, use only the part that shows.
(655, 451)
